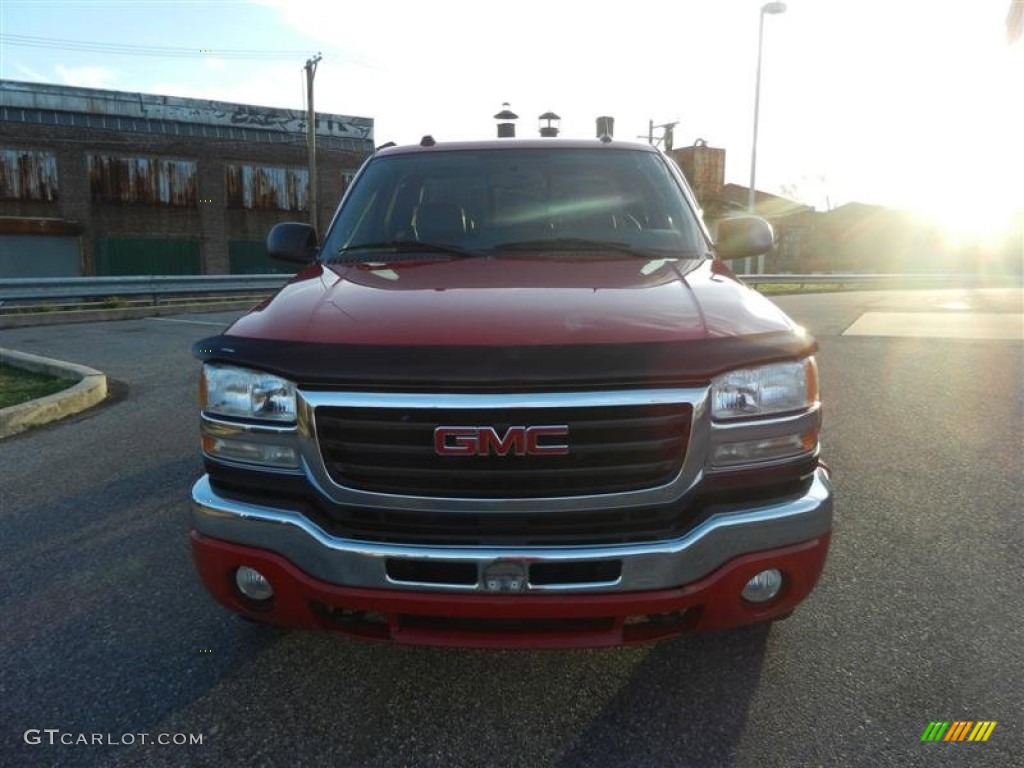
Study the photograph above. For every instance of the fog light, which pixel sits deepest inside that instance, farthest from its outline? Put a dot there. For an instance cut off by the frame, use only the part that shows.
(731, 454)
(267, 454)
(253, 584)
(763, 587)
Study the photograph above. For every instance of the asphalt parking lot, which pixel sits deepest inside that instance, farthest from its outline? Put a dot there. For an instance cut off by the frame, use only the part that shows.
(917, 617)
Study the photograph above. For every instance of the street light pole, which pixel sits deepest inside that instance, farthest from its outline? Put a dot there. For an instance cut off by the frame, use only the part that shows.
(311, 141)
(772, 8)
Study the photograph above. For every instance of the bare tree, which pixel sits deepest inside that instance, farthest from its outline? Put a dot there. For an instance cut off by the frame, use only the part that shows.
(1015, 21)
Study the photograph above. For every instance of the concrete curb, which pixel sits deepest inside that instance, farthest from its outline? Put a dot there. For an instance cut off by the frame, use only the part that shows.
(90, 390)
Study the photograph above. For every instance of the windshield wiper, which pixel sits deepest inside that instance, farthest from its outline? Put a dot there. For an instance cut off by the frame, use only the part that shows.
(407, 246)
(575, 244)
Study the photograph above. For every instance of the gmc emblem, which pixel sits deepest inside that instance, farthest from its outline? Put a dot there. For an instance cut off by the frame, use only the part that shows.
(485, 441)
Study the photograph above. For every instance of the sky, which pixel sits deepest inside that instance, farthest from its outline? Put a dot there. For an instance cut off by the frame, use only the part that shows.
(910, 103)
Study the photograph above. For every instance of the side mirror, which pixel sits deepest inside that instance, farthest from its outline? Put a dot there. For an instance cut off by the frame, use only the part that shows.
(744, 236)
(292, 241)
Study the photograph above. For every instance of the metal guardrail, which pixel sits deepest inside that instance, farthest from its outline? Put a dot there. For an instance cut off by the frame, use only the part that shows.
(155, 286)
(886, 280)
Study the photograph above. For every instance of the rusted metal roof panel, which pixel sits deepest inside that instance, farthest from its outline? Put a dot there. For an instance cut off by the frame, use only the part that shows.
(267, 188)
(142, 180)
(28, 174)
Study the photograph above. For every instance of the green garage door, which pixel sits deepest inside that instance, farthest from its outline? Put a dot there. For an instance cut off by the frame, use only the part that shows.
(147, 256)
(39, 256)
(249, 257)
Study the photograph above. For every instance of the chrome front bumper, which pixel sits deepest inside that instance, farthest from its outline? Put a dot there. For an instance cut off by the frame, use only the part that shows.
(647, 566)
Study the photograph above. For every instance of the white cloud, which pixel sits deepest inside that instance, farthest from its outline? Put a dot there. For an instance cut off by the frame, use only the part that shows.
(87, 76)
(273, 85)
(445, 67)
(877, 96)
(31, 74)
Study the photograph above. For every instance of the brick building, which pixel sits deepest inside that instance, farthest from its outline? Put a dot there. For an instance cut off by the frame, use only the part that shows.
(98, 182)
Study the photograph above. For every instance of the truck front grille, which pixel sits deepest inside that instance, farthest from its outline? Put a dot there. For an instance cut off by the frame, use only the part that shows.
(612, 449)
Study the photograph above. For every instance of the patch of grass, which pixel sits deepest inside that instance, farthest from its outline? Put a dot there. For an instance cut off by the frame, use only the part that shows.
(18, 385)
(780, 288)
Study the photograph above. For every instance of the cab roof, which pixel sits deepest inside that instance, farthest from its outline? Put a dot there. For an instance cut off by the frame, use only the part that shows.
(512, 144)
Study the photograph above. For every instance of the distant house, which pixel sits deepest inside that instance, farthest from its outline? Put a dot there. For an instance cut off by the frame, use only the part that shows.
(734, 198)
(792, 221)
(857, 237)
(704, 168)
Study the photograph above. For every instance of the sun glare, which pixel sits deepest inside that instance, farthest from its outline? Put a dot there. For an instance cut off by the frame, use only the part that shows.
(976, 223)
(972, 203)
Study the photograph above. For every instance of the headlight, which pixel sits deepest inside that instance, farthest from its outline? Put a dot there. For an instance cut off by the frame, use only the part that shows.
(229, 391)
(776, 388)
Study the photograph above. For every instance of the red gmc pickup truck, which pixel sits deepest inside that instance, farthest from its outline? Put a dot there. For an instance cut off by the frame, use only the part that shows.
(514, 398)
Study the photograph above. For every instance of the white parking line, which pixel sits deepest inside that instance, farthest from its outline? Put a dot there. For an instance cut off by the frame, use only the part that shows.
(940, 325)
(190, 322)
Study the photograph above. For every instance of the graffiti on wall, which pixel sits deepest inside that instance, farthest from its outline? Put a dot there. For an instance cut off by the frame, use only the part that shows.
(93, 101)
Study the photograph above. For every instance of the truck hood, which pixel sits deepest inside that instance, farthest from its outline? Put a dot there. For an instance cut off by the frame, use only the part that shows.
(514, 301)
(509, 324)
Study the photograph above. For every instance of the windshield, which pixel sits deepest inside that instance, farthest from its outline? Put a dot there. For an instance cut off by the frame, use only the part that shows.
(489, 200)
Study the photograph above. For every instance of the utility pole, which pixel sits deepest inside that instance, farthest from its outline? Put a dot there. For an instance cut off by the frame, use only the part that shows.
(311, 140)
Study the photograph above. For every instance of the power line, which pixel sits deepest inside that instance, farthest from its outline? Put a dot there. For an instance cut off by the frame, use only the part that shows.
(159, 51)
